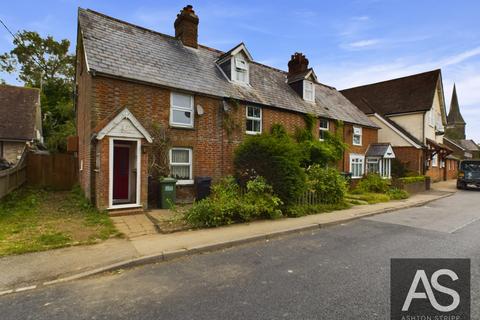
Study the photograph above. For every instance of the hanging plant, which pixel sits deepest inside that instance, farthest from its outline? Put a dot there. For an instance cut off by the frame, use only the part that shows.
(229, 110)
(158, 165)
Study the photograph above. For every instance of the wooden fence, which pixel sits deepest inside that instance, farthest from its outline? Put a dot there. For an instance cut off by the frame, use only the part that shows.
(12, 178)
(57, 171)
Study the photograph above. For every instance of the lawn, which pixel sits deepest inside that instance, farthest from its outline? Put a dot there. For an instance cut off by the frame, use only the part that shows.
(35, 220)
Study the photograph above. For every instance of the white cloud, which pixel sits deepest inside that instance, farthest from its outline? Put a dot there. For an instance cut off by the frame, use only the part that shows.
(363, 43)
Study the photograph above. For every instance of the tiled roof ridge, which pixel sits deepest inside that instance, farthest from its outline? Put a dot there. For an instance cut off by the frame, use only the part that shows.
(394, 79)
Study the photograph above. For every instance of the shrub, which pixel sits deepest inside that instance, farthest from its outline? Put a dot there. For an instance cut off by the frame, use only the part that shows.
(276, 158)
(227, 205)
(409, 180)
(373, 183)
(397, 194)
(329, 185)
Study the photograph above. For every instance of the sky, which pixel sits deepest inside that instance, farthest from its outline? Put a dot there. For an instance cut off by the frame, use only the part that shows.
(348, 43)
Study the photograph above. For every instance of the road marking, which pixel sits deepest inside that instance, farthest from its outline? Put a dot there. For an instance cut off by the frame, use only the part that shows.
(5, 292)
(25, 288)
(464, 225)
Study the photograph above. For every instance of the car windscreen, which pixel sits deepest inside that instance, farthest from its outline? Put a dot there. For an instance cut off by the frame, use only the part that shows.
(473, 166)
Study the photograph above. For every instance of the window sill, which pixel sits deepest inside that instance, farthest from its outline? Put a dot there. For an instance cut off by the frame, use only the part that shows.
(185, 182)
(253, 133)
(179, 126)
(357, 145)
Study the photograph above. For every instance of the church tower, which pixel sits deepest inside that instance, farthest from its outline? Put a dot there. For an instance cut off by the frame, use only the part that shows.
(455, 122)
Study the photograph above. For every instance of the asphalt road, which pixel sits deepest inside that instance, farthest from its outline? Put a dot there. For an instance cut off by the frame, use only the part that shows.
(340, 272)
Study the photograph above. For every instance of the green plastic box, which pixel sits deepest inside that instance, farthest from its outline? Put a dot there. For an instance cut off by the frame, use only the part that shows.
(167, 193)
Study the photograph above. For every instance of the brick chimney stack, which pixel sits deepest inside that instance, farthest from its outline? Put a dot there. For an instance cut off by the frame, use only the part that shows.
(297, 64)
(186, 27)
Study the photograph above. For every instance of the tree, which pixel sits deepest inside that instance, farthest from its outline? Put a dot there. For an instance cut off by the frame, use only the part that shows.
(46, 64)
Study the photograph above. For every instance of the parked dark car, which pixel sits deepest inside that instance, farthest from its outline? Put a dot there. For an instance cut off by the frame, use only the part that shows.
(469, 174)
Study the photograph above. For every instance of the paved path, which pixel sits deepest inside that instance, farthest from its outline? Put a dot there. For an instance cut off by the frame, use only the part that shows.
(340, 272)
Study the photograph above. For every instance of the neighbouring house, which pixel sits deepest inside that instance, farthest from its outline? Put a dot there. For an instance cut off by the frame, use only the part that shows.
(139, 90)
(412, 116)
(20, 122)
(455, 136)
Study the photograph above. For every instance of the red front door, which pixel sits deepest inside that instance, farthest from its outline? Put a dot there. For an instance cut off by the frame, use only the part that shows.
(121, 172)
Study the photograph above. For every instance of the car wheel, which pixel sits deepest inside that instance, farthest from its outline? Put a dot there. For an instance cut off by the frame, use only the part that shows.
(461, 185)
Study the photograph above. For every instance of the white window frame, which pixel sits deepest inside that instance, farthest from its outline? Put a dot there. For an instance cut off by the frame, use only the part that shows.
(240, 64)
(327, 128)
(312, 98)
(375, 160)
(357, 131)
(431, 118)
(254, 119)
(177, 108)
(362, 162)
(190, 163)
(435, 160)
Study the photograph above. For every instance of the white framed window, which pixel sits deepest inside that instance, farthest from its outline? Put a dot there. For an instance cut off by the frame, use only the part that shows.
(435, 160)
(254, 120)
(373, 165)
(240, 69)
(357, 136)
(308, 91)
(181, 110)
(431, 118)
(324, 127)
(357, 165)
(181, 165)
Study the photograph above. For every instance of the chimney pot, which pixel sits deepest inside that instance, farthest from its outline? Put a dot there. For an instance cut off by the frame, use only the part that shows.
(186, 27)
(297, 64)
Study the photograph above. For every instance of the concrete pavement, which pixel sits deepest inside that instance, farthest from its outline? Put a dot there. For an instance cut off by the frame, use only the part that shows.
(342, 272)
(76, 262)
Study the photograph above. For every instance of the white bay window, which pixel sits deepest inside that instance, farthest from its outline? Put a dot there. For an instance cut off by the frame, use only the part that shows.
(357, 165)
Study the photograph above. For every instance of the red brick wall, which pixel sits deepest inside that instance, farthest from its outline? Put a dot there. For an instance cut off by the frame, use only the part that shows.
(452, 169)
(369, 136)
(83, 123)
(412, 157)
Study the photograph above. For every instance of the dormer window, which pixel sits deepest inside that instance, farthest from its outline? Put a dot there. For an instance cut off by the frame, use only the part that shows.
(308, 91)
(240, 70)
(234, 64)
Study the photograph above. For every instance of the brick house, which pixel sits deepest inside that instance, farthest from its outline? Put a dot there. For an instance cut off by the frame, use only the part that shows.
(412, 116)
(133, 82)
(21, 121)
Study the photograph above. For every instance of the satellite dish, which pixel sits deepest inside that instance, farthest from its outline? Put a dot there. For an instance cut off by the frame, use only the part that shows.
(200, 110)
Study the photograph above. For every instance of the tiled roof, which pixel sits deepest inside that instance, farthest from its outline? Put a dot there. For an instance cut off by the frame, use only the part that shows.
(117, 48)
(377, 149)
(469, 145)
(18, 107)
(403, 95)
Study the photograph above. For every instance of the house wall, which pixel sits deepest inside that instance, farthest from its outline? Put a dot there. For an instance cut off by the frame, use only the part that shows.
(387, 135)
(12, 150)
(86, 155)
(413, 123)
(211, 143)
(411, 157)
(451, 169)
(369, 136)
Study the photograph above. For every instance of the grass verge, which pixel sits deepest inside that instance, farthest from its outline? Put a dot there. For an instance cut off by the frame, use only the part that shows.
(36, 219)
